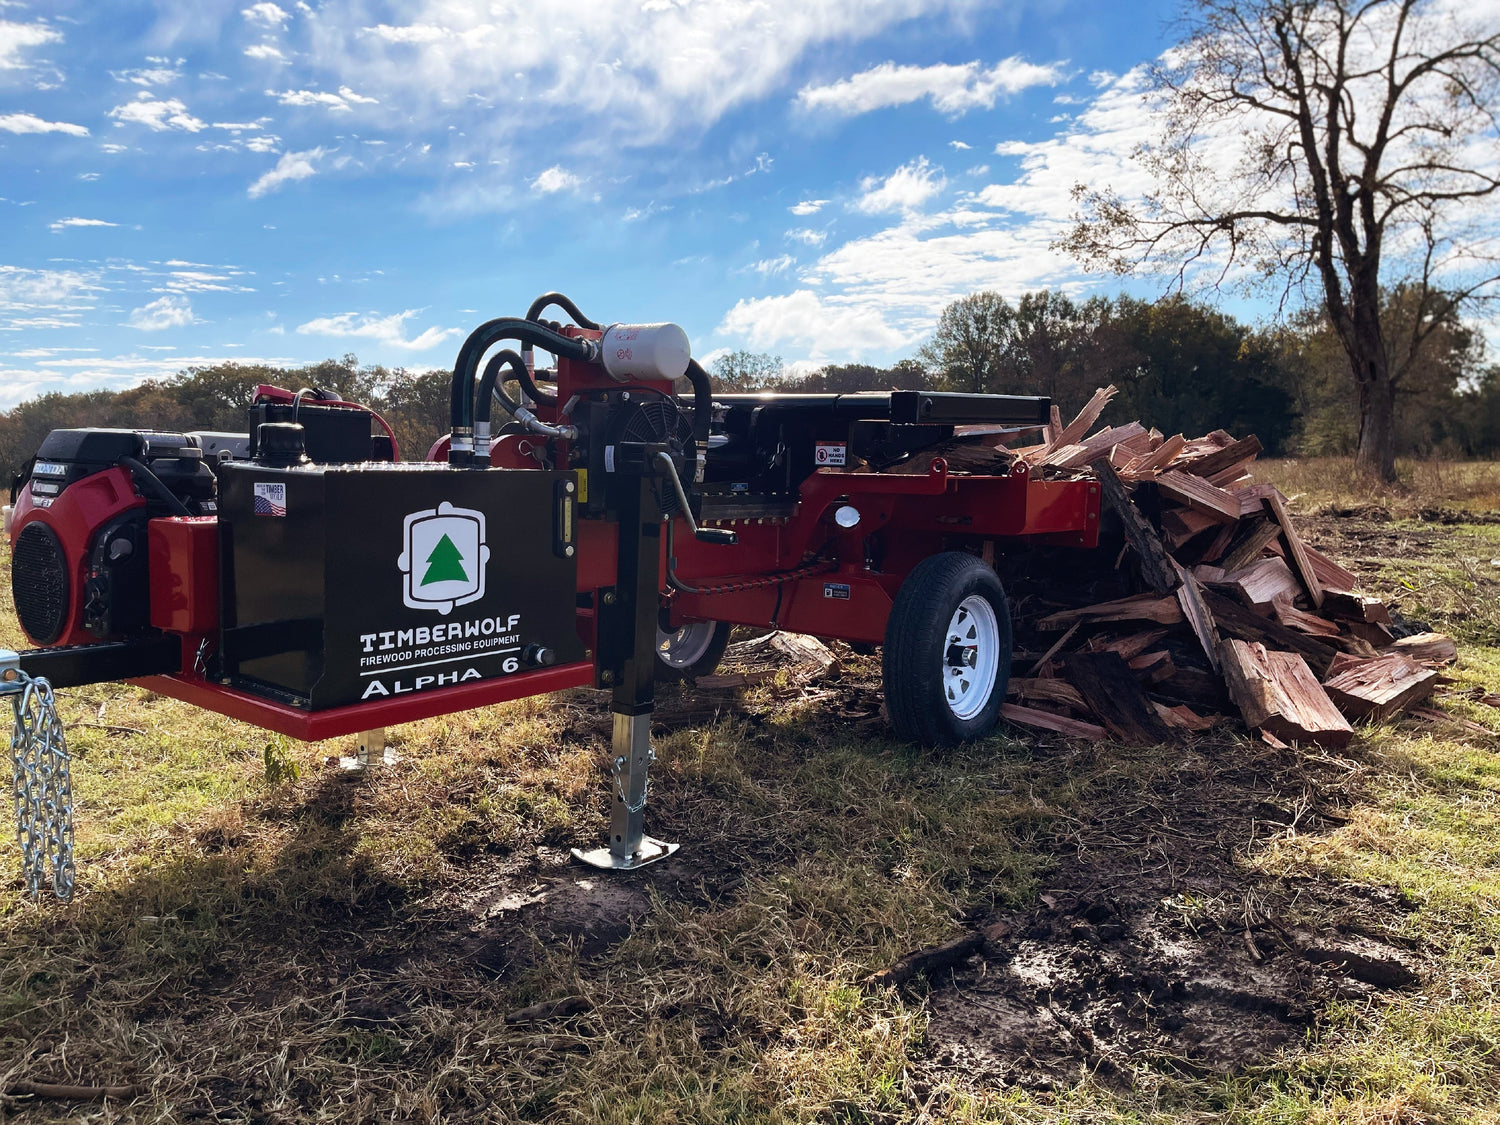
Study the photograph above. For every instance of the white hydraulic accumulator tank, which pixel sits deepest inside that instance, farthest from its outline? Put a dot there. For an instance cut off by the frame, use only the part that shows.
(644, 351)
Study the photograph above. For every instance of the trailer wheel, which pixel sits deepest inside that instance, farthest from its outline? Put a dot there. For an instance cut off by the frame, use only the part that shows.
(693, 650)
(947, 651)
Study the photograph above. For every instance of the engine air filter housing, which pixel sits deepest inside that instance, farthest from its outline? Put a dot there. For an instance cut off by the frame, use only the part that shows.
(39, 581)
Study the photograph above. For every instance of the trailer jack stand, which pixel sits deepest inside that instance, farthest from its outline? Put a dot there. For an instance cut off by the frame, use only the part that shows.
(629, 846)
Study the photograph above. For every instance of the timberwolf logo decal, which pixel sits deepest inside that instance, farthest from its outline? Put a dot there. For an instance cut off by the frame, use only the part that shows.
(444, 558)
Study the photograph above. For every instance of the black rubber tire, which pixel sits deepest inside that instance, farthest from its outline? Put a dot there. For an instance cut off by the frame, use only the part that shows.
(704, 665)
(915, 637)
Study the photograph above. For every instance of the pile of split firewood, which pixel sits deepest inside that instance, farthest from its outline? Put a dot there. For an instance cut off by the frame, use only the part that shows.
(1239, 612)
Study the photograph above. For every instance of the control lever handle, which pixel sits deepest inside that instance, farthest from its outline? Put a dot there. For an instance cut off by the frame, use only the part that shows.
(719, 536)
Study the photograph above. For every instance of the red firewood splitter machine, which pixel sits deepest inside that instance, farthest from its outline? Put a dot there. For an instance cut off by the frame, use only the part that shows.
(300, 577)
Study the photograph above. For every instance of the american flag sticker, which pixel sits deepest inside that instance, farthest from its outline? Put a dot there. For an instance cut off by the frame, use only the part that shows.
(270, 498)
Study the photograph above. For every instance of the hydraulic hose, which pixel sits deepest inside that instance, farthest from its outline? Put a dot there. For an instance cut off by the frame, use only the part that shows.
(461, 399)
(563, 303)
(153, 484)
(703, 408)
(490, 386)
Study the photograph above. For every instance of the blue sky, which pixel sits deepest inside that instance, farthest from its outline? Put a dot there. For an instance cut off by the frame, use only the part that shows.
(286, 181)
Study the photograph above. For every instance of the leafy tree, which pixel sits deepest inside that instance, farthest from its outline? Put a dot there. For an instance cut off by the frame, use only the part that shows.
(1327, 142)
(742, 371)
(972, 336)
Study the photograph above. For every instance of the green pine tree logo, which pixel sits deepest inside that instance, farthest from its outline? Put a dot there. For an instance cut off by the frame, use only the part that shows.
(445, 564)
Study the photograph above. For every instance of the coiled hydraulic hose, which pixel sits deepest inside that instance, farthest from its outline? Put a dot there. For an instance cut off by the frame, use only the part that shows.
(461, 401)
(563, 303)
(152, 483)
(703, 408)
(490, 388)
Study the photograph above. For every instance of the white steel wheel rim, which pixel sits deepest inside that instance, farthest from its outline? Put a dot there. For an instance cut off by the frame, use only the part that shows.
(684, 647)
(971, 657)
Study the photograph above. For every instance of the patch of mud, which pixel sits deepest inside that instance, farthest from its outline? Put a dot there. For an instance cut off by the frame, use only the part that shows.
(1157, 948)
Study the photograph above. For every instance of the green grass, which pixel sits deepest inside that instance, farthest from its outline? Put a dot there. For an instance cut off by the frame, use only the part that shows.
(316, 950)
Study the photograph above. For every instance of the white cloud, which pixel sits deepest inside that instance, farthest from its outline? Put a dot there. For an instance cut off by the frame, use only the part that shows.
(63, 224)
(147, 76)
(158, 116)
(27, 123)
(243, 126)
(555, 179)
(267, 52)
(803, 319)
(161, 314)
(952, 89)
(342, 102)
(386, 330)
(808, 207)
(905, 189)
(960, 145)
(291, 166)
(411, 33)
(807, 236)
(26, 289)
(262, 144)
(17, 37)
(767, 267)
(267, 13)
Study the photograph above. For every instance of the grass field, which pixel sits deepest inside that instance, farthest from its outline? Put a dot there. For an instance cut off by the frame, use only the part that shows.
(256, 938)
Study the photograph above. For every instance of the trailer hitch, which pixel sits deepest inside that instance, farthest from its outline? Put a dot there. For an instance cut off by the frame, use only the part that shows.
(41, 780)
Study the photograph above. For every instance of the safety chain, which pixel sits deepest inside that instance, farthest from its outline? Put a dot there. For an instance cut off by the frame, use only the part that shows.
(619, 772)
(42, 782)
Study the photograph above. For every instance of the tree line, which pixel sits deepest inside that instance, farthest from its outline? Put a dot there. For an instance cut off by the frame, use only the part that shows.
(1182, 366)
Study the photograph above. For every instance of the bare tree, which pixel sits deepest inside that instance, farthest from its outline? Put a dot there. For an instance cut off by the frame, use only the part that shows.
(1315, 142)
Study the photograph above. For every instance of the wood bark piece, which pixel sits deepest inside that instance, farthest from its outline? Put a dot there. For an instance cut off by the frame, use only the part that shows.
(1249, 543)
(1195, 493)
(1302, 621)
(1301, 560)
(1377, 689)
(550, 1009)
(65, 1092)
(1429, 648)
(1115, 695)
(1137, 607)
(1198, 614)
(1057, 647)
(1235, 453)
(1128, 648)
(1046, 720)
(1182, 717)
(1234, 620)
(1276, 692)
(927, 961)
(1055, 691)
(1374, 634)
(1156, 567)
(1355, 607)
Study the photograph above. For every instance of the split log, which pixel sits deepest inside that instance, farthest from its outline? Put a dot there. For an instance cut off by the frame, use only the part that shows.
(1156, 568)
(1276, 692)
(1301, 560)
(1220, 543)
(1253, 498)
(1377, 689)
(1073, 432)
(1131, 646)
(1182, 524)
(1198, 615)
(1235, 620)
(1262, 583)
(1331, 576)
(1372, 633)
(1189, 685)
(1137, 607)
(1197, 494)
(1054, 427)
(1429, 648)
(1098, 445)
(1046, 720)
(1249, 543)
(926, 961)
(1157, 459)
(1232, 455)
(1115, 695)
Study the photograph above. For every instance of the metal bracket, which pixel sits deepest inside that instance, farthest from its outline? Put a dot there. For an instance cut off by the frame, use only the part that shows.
(629, 846)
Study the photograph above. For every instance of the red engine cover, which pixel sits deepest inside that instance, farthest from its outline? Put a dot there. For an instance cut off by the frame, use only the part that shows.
(74, 517)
